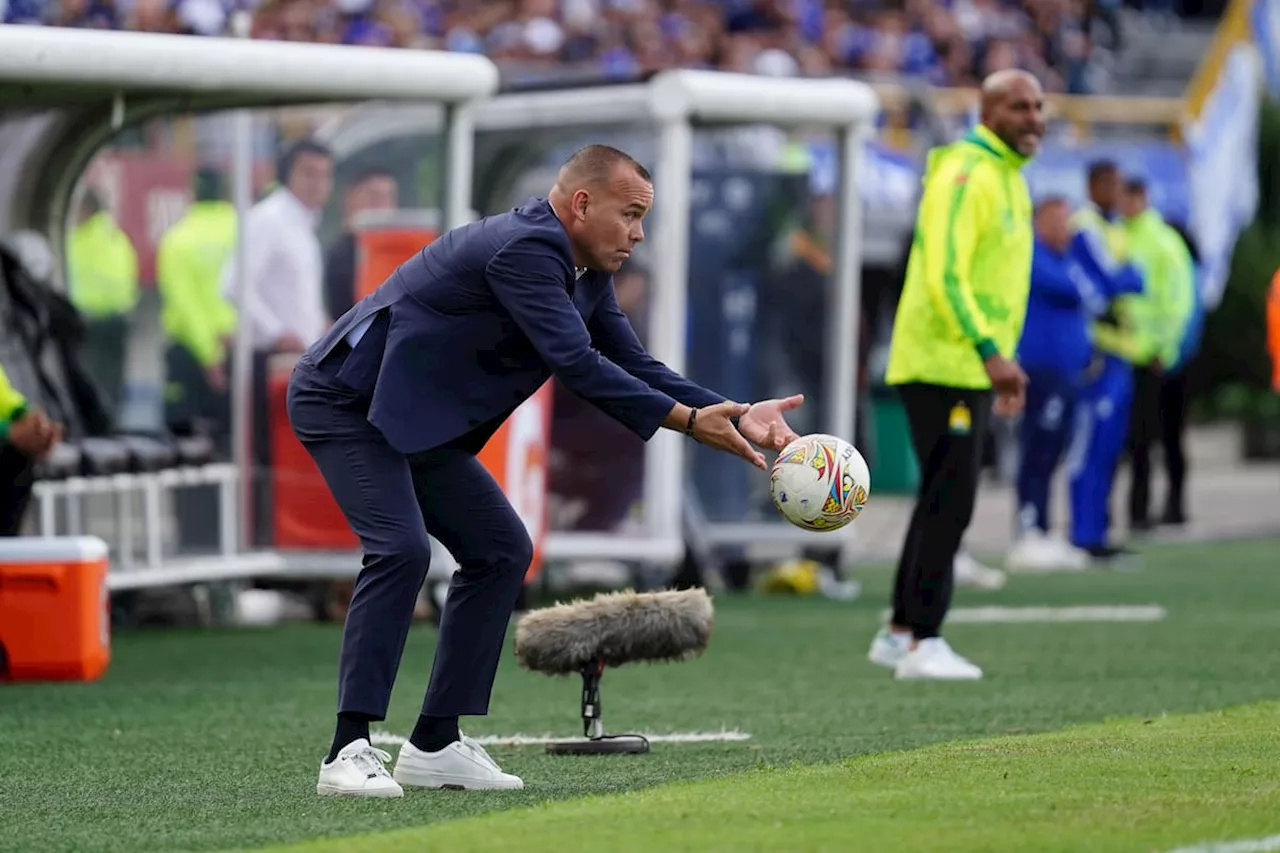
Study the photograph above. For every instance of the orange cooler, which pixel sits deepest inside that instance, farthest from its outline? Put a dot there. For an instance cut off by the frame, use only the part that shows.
(55, 623)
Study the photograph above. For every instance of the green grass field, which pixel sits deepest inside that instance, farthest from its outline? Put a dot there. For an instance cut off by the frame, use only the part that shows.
(1103, 736)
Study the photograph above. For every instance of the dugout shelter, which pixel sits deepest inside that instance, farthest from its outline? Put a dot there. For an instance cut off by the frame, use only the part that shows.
(64, 93)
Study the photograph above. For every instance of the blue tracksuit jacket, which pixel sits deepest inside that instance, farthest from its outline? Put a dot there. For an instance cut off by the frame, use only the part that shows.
(1102, 416)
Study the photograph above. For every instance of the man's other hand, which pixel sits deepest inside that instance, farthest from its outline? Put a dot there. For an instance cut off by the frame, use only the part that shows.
(34, 434)
(1010, 384)
(1009, 405)
(765, 427)
(713, 427)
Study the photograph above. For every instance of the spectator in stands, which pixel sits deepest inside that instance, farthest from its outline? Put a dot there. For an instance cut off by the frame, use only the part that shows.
(373, 190)
(288, 20)
(947, 44)
(26, 435)
(89, 14)
(285, 292)
(22, 12)
(102, 281)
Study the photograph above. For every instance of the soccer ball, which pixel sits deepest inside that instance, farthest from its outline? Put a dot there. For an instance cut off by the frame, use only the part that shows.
(819, 482)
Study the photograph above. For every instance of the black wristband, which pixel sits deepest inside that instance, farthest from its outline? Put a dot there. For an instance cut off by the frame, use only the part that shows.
(693, 415)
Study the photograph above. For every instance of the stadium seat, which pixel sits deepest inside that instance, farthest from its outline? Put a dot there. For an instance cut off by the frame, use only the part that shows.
(65, 461)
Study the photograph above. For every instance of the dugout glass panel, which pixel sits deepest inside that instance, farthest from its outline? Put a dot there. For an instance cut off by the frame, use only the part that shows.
(144, 181)
(762, 216)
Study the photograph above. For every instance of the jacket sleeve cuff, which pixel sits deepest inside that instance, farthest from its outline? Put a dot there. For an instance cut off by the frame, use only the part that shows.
(7, 422)
(987, 348)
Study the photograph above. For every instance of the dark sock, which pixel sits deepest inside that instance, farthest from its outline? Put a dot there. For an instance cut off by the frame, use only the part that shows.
(351, 727)
(433, 734)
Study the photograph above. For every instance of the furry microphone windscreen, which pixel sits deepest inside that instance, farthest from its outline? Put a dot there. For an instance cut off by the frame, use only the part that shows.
(615, 628)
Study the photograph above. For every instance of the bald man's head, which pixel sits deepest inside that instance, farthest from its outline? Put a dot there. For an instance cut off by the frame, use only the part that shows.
(1013, 109)
(601, 196)
(595, 165)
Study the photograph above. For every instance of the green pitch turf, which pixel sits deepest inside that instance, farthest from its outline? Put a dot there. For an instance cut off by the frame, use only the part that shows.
(210, 740)
(1132, 785)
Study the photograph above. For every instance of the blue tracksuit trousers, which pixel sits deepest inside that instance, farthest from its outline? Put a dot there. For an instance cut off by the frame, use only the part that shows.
(1101, 428)
(1044, 434)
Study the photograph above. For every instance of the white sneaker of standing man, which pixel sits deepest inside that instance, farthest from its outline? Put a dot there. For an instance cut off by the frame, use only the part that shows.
(888, 647)
(934, 659)
(358, 770)
(926, 659)
(463, 765)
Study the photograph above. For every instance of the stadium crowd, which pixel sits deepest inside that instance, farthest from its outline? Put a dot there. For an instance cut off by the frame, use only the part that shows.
(947, 43)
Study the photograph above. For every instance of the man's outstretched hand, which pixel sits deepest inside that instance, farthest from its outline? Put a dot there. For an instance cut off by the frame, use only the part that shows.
(712, 426)
(764, 425)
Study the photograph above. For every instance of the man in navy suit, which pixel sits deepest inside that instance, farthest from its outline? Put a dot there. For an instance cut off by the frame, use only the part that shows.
(397, 399)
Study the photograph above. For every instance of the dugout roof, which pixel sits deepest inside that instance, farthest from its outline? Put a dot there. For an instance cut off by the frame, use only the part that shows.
(65, 92)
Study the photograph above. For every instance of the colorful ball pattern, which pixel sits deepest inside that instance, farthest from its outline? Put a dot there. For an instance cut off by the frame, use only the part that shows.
(820, 482)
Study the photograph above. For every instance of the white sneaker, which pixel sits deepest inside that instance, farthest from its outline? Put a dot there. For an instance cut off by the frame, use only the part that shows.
(889, 647)
(1071, 558)
(934, 659)
(357, 771)
(970, 573)
(1037, 552)
(829, 586)
(462, 765)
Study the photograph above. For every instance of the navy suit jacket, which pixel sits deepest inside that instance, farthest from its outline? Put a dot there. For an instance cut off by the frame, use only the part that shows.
(477, 321)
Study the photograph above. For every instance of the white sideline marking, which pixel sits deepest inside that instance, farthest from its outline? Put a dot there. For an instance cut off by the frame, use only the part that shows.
(388, 739)
(1257, 845)
(1087, 613)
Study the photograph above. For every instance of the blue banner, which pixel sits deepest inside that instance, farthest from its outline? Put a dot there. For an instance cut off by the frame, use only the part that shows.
(1264, 21)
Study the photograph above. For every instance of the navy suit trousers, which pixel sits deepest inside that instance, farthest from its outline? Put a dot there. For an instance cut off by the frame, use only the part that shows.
(393, 502)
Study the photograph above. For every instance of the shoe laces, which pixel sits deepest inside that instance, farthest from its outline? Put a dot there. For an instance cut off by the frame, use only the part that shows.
(479, 752)
(370, 760)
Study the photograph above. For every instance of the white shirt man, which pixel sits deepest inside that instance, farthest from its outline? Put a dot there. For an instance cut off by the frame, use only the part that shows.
(285, 303)
(285, 306)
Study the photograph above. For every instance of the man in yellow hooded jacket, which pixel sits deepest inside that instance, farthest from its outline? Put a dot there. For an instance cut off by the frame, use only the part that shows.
(1161, 316)
(102, 283)
(26, 435)
(197, 320)
(957, 327)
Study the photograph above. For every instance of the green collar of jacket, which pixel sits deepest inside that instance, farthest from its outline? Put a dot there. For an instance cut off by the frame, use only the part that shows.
(211, 207)
(985, 138)
(1145, 221)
